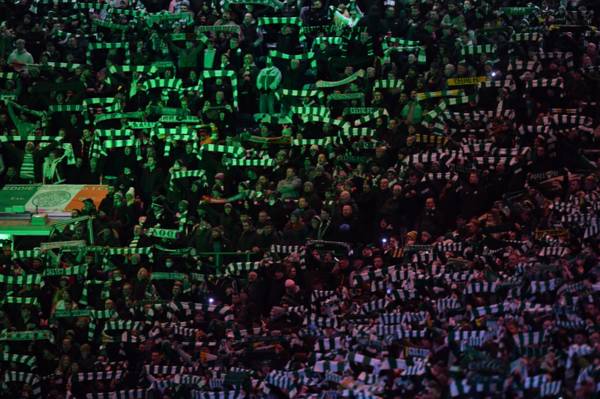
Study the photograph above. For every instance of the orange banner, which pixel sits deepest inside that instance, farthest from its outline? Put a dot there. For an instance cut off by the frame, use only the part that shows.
(95, 192)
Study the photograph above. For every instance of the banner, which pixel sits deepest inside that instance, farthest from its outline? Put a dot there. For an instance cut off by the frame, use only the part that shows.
(49, 198)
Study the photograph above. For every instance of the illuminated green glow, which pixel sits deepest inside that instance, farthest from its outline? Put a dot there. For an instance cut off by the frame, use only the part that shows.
(25, 231)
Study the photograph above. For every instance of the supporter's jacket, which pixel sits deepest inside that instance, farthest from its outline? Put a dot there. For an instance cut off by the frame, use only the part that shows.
(268, 79)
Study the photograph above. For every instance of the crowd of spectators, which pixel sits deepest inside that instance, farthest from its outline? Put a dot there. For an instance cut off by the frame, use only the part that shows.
(306, 199)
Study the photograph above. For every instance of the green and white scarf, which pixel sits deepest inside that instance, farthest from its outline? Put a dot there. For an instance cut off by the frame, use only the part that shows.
(322, 84)
(32, 335)
(308, 56)
(108, 46)
(478, 49)
(219, 74)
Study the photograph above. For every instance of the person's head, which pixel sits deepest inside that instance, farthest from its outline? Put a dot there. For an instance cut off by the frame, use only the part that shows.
(156, 357)
(263, 217)
(377, 97)
(347, 210)
(268, 229)
(290, 172)
(177, 289)
(151, 162)
(540, 151)
(183, 206)
(143, 274)
(67, 344)
(302, 203)
(215, 233)
(248, 59)
(220, 96)
(383, 184)
(396, 190)
(20, 45)
(321, 159)
(252, 277)
(290, 287)
(308, 187)
(246, 226)
(473, 178)
(11, 172)
(430, 203)
(127, 290)
(248, 18)
(377, 262)
(278, 273)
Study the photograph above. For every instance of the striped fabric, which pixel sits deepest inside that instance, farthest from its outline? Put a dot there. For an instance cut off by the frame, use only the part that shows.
(26, 170)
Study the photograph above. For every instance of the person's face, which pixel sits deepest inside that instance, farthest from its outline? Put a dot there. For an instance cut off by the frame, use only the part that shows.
(378, 262)
(176, 290)
(20, 45)
(66, 344)
(473, 178)
(540, 151)
(396, 190)
(252, 276)
(429, 203)
(289, 173)
(302, 204)
(248, 18)
(383, 184)
(347, 210)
